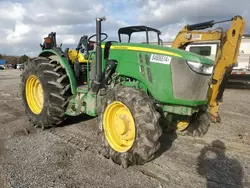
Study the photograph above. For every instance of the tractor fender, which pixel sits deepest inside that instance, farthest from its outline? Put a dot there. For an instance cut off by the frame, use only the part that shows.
(60, 57)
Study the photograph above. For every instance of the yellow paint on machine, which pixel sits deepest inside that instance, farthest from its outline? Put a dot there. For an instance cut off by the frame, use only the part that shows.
(143, 49)
(73, 55)
(34, 94)
(119, 126)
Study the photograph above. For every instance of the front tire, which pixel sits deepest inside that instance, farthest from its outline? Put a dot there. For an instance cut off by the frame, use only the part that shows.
(133, 138)
(45, 91)
(199, 126)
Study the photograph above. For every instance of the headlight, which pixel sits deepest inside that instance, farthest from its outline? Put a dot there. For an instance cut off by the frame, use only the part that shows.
(201, 68)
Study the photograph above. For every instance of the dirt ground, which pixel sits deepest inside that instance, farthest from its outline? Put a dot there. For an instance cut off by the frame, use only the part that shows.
(68, 157)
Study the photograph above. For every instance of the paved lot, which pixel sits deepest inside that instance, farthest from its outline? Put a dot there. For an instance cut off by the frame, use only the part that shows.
(69, 156)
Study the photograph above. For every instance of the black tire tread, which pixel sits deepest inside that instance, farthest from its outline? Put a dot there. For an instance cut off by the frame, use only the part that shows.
(199, 126)
(57, 96)
(57, 91)
(57, 68)
(66, 88)
(147, 125)
(52, 72)
(56, 84)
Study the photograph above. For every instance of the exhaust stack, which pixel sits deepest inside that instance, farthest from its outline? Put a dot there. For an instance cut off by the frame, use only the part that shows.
(96, 82)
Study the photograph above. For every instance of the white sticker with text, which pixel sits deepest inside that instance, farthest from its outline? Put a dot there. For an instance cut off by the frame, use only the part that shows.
(163, 59)
(196, 36)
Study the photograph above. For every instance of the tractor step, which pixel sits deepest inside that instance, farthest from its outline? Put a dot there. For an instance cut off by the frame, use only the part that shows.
(82, 89)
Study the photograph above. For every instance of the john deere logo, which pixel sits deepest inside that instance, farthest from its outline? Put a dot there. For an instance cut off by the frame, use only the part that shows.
(163, 59)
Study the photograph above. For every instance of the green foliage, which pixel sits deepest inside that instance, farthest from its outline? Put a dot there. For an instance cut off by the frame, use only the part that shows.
(23, 58)
(1, 56)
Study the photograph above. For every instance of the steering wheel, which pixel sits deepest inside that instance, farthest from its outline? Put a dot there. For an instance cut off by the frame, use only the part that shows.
(95, 35)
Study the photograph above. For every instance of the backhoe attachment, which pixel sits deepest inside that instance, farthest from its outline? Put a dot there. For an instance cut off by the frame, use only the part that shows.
(226, 56)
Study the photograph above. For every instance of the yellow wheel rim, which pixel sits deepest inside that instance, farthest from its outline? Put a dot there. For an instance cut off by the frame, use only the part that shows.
(34, 94)
(182, 125)
(119, 126)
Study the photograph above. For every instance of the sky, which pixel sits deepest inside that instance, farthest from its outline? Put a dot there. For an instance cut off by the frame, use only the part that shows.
(24, 23)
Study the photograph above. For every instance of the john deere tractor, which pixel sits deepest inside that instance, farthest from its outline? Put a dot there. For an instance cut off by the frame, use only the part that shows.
(130, 87)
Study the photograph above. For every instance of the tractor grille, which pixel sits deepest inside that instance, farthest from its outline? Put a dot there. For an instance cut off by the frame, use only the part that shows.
(187, 84)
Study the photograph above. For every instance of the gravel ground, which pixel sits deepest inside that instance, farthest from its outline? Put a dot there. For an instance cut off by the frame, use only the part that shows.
(68, 156)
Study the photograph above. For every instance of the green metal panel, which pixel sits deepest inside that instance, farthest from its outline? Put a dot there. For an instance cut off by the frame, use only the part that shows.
(132, 58)
(136, 61)
(157, 49)
(65, 64)
(182, 110)
(83, 102)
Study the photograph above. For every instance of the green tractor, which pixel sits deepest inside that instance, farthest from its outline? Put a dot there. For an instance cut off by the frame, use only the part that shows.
(130, 87)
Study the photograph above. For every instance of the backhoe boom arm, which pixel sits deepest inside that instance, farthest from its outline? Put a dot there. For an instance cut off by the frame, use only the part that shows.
(226, 57)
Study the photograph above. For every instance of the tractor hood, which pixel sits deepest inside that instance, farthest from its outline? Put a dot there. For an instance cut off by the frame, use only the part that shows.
(171, 76)
(162, 50)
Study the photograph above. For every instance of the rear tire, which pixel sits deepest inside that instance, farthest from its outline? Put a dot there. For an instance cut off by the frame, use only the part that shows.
(56, 91)
(147, 128)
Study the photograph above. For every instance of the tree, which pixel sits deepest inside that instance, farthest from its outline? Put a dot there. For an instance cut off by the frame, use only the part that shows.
(23, 58)
(1, 56)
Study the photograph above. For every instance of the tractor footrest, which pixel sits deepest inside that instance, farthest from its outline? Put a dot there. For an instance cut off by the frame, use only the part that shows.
(82, 89)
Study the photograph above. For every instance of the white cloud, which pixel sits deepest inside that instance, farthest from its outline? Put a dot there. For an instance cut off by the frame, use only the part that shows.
(11, 11)
(20, 31)
(172, 15)
(25, 23)
(161, 12)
